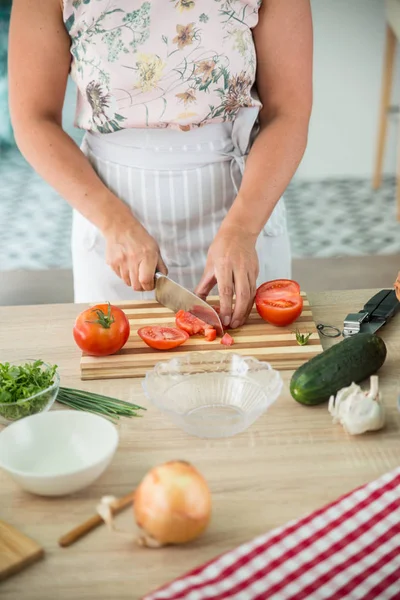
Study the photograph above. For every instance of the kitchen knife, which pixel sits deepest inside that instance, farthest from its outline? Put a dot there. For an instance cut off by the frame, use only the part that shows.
(175, 297)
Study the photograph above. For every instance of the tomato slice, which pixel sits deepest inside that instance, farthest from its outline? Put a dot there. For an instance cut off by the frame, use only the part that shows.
(193, 325)
(210, 334)
(279, 302)
(227, 340)
(189, 323)
(163, 338)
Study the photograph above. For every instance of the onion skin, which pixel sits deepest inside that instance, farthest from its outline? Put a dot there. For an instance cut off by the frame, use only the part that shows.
(172, 504)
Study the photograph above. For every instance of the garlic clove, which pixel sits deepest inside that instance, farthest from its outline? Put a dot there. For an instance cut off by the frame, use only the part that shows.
(147, 541)
(336, 403)
(358, 411)
(363, 415)
(374, 390)
(104, 510)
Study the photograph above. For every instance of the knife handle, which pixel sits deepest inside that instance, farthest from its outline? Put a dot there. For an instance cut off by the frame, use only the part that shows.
(383, 305)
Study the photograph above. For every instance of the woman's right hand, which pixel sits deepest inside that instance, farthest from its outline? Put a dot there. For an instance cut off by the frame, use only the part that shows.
(134, 256)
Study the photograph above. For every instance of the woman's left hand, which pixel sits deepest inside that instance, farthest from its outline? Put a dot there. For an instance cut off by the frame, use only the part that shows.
(232, 264)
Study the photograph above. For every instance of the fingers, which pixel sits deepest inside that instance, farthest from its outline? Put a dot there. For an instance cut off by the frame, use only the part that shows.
(146, 272)
(118, 264)
(243, 298)
(134, 276)
(224, 277)
(125, 275)
(245, 291)
(161, 267)
(253, 290)
(135, 259)
(206, 284)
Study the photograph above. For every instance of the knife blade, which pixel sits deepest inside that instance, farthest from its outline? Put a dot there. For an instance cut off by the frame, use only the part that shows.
(175, 297)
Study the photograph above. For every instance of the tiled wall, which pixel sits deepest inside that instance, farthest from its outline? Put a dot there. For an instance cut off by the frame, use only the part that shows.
(6, 135)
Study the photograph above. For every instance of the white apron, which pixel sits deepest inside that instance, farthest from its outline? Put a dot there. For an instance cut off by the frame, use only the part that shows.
(180, 186)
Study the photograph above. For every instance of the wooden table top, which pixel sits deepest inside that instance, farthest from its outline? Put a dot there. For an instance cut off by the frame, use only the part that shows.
(291, 461)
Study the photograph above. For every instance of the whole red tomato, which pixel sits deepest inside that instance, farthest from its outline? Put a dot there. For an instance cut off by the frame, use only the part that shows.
(279, 302)
(101, 330)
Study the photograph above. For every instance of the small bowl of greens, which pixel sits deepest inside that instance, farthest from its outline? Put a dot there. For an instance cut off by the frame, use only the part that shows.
(26, 388)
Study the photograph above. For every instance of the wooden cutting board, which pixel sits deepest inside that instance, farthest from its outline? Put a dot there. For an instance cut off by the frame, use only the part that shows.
(276, 345)
(17, 551)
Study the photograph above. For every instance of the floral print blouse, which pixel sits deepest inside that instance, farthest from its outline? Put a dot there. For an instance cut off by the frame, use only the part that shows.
(161, 63)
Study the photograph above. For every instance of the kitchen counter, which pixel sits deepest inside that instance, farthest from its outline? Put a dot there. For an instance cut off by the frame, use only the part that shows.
(291, 461)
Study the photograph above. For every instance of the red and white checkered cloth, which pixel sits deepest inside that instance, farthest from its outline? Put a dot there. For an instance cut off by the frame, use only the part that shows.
(349, 549)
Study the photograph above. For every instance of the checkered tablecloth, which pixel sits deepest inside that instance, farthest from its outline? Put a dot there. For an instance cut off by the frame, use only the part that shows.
(349, 549)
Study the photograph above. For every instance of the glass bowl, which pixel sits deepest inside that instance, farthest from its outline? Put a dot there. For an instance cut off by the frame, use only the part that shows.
(40, 402)
(213, 394)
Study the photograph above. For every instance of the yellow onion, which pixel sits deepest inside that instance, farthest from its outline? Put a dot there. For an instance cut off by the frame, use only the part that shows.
(172, 505)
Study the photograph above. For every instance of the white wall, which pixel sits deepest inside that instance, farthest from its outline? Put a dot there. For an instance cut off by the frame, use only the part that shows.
(349, 39)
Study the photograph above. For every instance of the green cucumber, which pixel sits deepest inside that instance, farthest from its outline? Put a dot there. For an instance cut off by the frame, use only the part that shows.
(352, 360)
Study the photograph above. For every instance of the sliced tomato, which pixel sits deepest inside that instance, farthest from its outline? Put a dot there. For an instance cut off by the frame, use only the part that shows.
(163, 338)
(189, 323)
(210, 334)
(279, 302)
(227, 340)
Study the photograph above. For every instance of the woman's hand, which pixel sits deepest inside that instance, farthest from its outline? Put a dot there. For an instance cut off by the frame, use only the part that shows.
(134, 256)
(232, 263)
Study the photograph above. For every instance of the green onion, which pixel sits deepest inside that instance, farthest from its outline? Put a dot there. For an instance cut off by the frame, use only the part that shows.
(111, 408)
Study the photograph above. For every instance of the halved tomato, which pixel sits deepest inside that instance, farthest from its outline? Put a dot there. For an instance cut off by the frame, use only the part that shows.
(163, 338)
(227, 340)
(279, 302)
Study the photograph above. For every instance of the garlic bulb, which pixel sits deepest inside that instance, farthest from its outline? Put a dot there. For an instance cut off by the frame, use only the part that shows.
(356, 410)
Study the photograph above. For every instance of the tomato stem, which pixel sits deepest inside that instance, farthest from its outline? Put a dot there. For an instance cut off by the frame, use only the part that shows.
(105, 320)
(302, 338)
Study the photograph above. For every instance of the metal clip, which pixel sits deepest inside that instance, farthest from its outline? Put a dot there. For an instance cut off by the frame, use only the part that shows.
(352, 323)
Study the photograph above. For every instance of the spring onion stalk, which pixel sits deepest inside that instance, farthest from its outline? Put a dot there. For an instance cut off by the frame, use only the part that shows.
(111, 408)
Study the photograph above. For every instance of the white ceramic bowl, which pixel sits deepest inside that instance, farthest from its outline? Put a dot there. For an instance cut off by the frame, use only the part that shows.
(59, 452)
(213, 394)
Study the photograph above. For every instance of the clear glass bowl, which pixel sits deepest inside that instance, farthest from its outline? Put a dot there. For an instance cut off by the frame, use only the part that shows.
(40, 402)
(213, 394)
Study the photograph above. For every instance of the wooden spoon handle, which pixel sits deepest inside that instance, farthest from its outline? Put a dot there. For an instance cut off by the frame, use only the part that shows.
(81, 530)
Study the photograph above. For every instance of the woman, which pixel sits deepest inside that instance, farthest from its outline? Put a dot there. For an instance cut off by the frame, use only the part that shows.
(175, 96)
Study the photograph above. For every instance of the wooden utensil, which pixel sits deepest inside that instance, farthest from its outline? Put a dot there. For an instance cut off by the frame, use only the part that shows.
(17, 551)
(81, 530)
(276, 345)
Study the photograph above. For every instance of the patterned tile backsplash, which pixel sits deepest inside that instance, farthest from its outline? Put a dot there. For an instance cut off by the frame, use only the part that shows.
(325, 219)
(342, 218)
(6, 133)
